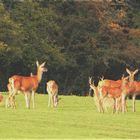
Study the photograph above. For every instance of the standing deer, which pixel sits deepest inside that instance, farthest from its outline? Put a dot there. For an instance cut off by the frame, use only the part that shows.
(114, 90)
(27, 84)
(52, 89)
(133, 88)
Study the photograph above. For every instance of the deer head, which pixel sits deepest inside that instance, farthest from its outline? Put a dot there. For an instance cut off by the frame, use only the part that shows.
(131, 74)
(102, 78)
(40, 70)
(101, 81)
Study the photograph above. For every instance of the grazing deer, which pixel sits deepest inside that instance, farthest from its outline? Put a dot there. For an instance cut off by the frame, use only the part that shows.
(52, 89)
(27, 84)
(132, 88)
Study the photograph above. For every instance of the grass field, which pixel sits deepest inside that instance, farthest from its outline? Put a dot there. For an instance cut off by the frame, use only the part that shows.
(75, 117)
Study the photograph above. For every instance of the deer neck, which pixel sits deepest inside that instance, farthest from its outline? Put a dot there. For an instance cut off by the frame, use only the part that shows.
(39, 75)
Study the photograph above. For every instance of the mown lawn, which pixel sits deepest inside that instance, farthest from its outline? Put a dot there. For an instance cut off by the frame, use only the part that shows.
(75, 117)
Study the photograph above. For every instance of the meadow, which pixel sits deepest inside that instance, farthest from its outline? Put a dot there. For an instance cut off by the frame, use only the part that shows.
(74, 118)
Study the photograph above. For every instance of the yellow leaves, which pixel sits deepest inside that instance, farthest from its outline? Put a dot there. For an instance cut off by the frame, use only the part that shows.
(3, 45)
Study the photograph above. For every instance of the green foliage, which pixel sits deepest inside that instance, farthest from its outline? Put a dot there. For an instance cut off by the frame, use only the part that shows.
(73, 37)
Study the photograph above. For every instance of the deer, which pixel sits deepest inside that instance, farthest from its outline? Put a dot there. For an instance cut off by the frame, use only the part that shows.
(97, 99)
(102, 106)
(52, 89)
(132, 88)
(107, 83)
(27, 84)
(115, 93)
(10, 101)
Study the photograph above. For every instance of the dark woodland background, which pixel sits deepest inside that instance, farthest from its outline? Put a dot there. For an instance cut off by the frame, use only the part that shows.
(77, 39)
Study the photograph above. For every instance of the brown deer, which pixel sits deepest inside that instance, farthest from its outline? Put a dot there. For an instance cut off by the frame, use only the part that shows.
(116, 94)
(52, 89)
(27, 84)
(113, 89)
(133, 88)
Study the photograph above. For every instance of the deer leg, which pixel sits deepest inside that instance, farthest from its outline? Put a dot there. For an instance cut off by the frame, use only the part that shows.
(134, 97)
(123, 103)
(53, 101)
(26, 100)
(33, 98)
(119, 104)
(49, 99)
(125, 106)
(117, 108)
(12, 98)
(114, 106)
(101, 105)
(101, 98)
(56, 100)
(7, 102)
(12, 102)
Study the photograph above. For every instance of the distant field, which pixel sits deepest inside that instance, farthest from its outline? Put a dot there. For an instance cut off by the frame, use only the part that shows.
(75, 117)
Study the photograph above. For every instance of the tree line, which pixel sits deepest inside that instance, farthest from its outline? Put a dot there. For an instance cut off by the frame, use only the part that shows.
(77, 39)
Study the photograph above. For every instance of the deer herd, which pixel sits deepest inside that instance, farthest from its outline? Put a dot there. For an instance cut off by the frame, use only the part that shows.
(28, 86)
(117, 90)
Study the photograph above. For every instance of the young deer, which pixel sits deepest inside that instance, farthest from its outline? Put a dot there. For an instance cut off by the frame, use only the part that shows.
(133, 88)
(27, 84)
(52, 89)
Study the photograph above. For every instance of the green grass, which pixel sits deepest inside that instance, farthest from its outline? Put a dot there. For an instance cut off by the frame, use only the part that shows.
(75, 117)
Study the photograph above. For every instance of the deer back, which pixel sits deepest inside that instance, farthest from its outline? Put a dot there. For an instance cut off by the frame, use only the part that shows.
(24, 83)
(52, 87)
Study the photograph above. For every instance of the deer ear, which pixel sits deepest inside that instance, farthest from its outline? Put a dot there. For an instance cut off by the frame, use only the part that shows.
(37, 63)
(89, 79)
(43, 64)
(128, 71)
(102, 78)
(135, 71)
